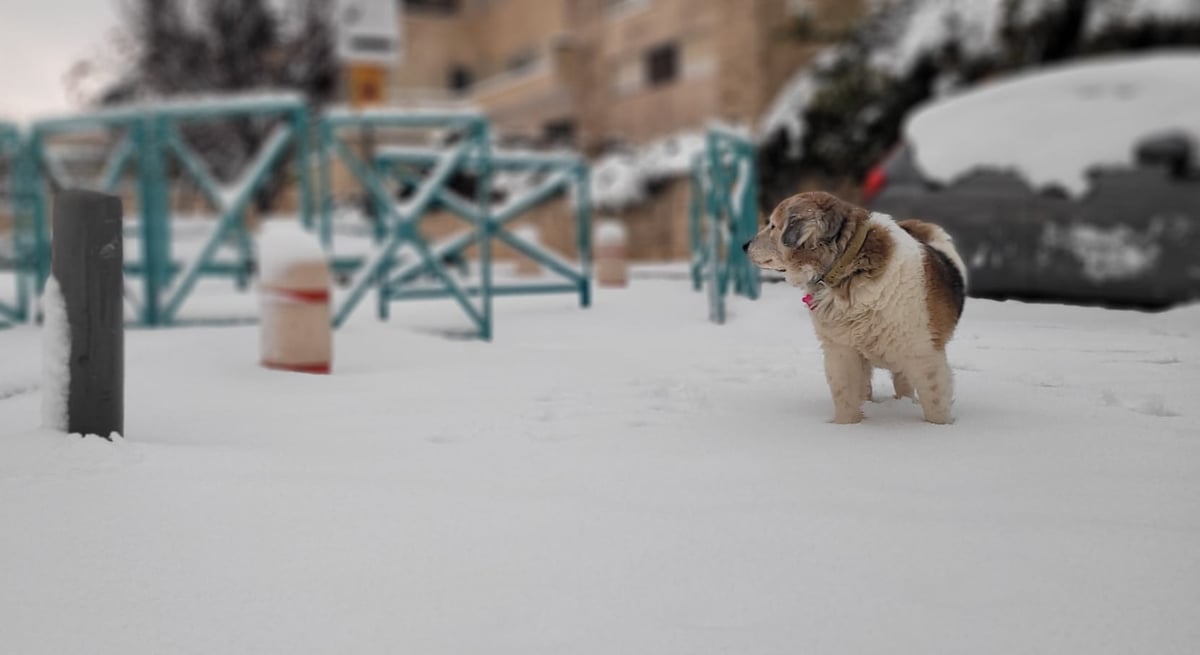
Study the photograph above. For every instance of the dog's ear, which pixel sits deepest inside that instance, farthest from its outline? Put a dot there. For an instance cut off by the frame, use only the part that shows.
(794, 232)
(832, 222)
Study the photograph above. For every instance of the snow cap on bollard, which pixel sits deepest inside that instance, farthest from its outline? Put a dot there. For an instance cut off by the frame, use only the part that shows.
(294, 284)
(610, 254)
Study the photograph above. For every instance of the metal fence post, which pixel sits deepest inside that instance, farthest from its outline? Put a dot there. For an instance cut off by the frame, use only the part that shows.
(723, 215)
(31, 161)
(301, 142)
(696, 214)
(749, 224)
(486, 228)
(325, 183)
(15, 149)
(152, 201)
(583, 223)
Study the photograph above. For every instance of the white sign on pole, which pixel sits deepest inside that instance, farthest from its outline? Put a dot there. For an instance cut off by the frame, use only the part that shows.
(368, 31)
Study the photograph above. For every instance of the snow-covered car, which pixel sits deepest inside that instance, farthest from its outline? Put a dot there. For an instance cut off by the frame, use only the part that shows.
(1077, 183)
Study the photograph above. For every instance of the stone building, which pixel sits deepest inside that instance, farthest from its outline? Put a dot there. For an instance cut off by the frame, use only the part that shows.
(591, 73)
(602, 75)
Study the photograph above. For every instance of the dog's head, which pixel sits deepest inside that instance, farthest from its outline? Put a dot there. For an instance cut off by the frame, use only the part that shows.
(804, 236)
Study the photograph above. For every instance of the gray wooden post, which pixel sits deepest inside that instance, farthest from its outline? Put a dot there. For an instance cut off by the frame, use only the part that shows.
(88, 263)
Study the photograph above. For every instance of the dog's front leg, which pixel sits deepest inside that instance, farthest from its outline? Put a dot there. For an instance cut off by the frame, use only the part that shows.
(845, 372)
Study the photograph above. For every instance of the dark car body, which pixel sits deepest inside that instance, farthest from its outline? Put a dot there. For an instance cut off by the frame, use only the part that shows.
(1131, 241)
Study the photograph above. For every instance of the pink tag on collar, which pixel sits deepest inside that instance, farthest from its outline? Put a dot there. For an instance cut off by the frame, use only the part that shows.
(808, 300)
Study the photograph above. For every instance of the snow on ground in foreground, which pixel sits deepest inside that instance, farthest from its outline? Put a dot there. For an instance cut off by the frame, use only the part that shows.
(1051, 125)
(623, 479)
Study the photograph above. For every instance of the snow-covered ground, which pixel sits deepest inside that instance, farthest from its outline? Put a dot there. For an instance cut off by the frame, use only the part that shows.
(624, 479)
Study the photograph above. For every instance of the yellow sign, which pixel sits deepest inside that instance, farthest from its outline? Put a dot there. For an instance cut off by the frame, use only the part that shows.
(368, 84)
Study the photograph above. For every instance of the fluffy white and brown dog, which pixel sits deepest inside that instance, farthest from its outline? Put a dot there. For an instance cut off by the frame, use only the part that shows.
(883, 294)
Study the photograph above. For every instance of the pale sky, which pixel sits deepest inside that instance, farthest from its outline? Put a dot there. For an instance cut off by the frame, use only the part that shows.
(39, 41)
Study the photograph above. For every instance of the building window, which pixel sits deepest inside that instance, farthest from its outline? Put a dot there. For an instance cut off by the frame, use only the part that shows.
(662, 65)
(459, 79)
(559, 133)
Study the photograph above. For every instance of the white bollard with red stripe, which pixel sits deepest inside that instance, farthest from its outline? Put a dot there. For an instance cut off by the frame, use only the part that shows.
(296, 332)
(612, 267)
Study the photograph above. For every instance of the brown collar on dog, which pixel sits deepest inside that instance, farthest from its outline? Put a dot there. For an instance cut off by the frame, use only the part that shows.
(834, 274)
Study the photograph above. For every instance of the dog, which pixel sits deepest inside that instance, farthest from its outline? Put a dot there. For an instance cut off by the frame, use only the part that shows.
(882, 294)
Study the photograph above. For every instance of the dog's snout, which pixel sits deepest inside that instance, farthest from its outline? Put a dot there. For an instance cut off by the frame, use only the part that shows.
(746, 247)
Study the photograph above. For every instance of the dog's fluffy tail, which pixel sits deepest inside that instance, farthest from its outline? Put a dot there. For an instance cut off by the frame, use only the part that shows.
(938, 239)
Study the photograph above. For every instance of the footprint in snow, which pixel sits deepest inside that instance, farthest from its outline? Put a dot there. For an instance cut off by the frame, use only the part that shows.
(1044, 380)
(1148, 406)
(17, 389)
(1153, 406)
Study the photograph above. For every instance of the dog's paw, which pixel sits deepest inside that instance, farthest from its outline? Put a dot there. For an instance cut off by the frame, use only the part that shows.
(847, 420)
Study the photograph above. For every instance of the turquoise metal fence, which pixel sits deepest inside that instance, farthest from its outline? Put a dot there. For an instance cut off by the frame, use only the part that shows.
(19, 258)
(401, 245)
(560, 174)
(723, 215)
(149, 139)
(146, 148)
(403, 253)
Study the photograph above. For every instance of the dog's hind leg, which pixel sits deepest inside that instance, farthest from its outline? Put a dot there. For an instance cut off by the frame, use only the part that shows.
(903, 388)
(868, 373)
(844, 371)
(931, 375)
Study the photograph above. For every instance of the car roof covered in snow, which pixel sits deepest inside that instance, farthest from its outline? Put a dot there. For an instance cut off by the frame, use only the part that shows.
(1052, 125)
